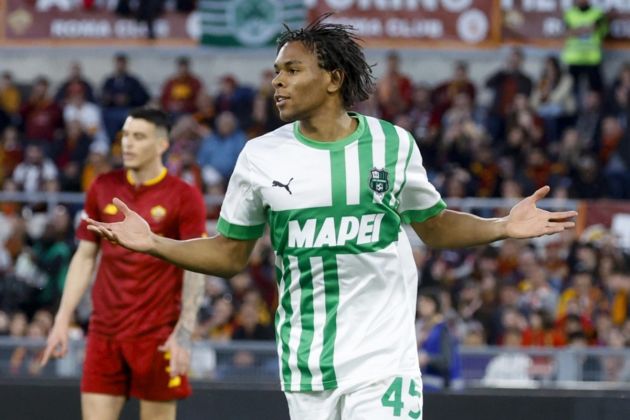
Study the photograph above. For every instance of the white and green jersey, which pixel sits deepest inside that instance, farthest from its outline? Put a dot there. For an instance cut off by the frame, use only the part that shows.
(346, 275)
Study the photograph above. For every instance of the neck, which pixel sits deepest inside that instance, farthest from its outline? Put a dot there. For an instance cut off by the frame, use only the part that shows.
(328, 126)
(146, 173)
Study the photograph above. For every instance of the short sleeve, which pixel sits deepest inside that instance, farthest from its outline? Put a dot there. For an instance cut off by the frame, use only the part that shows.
(242, 214)
(90, 210)
(192, 214)
(419, 200)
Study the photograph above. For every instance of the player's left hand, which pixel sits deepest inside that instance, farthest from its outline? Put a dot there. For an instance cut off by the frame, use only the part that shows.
(179, 356)
(528, 221)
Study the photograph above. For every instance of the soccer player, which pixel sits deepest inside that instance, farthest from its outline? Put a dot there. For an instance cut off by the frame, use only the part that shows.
(136, 346)
(335, 188)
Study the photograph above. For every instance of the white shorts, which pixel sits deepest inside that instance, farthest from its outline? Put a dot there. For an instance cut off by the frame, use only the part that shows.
(395, 398)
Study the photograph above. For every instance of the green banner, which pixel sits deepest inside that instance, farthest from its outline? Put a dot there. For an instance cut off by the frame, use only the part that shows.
(248, 23)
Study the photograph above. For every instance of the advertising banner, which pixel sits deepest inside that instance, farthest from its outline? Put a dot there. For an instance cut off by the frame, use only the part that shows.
(422, 24)
(247, 23)
(32, 22)
(540, 22)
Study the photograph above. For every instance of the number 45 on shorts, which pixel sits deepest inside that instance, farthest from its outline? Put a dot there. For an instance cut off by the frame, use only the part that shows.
(404, 397)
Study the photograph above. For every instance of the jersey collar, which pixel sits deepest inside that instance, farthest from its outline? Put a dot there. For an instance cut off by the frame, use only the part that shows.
(332, 145)
(149, 182)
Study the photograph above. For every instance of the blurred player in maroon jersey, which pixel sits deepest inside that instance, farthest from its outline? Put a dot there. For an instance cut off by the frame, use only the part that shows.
(145, 309)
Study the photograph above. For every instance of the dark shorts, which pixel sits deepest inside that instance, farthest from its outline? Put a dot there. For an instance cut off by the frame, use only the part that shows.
(131, 369)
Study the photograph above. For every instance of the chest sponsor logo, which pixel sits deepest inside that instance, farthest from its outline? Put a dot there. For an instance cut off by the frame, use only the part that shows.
(349, 229)
(158, 213)
(110, 209)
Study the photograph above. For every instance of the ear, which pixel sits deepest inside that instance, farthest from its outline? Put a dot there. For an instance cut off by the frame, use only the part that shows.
(337, 78)
(163, 144)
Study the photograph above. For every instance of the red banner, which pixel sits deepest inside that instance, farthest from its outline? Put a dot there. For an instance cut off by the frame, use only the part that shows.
(68, 22)
(540, 22)
(398, 23)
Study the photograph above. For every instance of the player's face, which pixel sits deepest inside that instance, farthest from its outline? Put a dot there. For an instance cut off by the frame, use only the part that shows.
(142, 144)
(301, 86)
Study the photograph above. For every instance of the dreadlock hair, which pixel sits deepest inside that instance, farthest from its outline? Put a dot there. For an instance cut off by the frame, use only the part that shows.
(336, 48)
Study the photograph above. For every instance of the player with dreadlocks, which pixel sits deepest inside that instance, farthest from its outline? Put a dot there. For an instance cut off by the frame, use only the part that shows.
(335, 188)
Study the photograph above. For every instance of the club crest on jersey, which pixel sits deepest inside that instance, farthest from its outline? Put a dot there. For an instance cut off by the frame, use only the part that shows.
(379, 180)
(158, 213)
(110, 209)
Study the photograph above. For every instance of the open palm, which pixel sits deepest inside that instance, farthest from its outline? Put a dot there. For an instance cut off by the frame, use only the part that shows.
(133, 232)
(528, 221)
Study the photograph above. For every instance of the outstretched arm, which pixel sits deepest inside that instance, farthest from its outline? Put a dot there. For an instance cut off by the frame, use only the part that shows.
(219, 256)
(452, 229)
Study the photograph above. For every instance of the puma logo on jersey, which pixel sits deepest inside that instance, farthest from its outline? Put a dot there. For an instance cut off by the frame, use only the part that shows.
(280, 184)
(363, 230)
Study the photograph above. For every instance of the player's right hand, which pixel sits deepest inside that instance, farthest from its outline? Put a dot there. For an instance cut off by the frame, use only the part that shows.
(57, 343)
(133, 232)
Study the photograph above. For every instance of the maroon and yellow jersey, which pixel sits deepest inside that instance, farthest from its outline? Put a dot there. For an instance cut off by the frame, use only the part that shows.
(134, 294)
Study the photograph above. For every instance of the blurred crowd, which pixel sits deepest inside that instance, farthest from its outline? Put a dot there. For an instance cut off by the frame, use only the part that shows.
(535, 130)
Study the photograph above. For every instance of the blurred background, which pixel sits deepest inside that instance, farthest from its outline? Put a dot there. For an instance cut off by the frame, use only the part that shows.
(499, 103)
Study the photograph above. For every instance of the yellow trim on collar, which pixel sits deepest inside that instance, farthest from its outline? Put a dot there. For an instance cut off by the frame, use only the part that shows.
(151, 181)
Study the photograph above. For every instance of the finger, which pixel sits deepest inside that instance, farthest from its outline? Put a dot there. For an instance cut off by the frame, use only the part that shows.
(541, 193)
(563, 225)
(92, 222)
(560, 215)
(46, 355)
(173, 366)
(121, 206)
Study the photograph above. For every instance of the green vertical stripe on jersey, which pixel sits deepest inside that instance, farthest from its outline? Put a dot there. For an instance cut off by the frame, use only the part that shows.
(307, 315)
(365, 165)
(285, 328)
(338, 177)
(331, 290)
(391, 157)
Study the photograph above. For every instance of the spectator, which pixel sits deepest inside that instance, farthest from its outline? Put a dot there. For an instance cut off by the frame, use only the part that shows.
(574, 365)
(97, 163)
(220, 325)
(41, 116)
(589, 120)
(219, 150)
(394, 89)
(74, 81)
(179, 94)
(10, 97)
(439, 357)
(10, 152)
(52, 256)
(586, 27)
(510, 368)
(584, 295)
(618, 96)
(120, 93)
(443, 96)
(249, 326)
(86, 113)
(36, 169)
(237, 99)
(504, 85)
(265, 114)
(553, 97)
(72, 158)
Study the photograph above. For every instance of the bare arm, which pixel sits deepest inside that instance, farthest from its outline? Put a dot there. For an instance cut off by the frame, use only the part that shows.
(77, 281)
(192, 295)
(452, 229)
(219, 256)
(179, 343)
